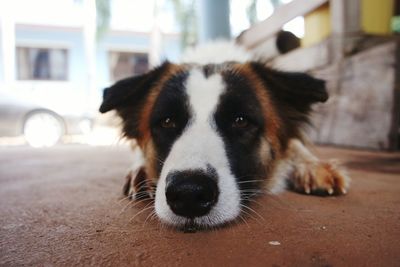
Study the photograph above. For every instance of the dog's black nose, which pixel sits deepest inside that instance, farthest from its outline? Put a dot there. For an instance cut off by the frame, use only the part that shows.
(191, 193)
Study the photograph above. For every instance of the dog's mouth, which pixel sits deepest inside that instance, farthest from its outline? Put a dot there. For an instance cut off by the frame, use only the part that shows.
(191, 227)
(197, 225)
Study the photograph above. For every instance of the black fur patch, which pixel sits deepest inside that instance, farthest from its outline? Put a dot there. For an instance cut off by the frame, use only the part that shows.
(241, 144)
(171, 103)
(292, 94)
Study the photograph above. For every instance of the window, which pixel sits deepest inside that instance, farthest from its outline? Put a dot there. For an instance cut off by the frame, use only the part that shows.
(42, 63)
(126, 64)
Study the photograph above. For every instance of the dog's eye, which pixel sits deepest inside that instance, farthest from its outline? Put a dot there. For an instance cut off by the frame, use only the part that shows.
(168, 123)
(240, 122)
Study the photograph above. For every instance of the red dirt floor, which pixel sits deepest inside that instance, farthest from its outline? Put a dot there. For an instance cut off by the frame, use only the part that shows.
(62, 207)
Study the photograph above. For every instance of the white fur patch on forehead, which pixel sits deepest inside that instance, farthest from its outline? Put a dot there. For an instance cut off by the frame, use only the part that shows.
(216, 52)
(203, 93)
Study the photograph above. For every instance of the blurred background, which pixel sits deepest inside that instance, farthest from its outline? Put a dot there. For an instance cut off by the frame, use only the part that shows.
(56, 56)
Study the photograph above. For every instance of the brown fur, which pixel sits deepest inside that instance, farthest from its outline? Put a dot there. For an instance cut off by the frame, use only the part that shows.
(272, 120)
(144, 129)
(151, 161)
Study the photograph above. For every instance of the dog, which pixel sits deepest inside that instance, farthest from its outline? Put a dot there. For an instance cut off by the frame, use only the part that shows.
(215, 131)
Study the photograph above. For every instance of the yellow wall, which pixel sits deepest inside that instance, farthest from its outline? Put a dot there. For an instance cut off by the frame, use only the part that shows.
(375, 19)
(376, 16)
(317, 26)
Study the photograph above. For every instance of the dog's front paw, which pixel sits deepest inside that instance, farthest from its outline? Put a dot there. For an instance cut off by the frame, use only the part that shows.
(136, 185)
(320, 178)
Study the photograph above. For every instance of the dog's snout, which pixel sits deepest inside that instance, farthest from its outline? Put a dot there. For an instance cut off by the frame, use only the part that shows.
(191, 193)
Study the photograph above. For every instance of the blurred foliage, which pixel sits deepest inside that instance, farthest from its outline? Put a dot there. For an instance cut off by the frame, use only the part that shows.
(251, 12)
(186, 17)
(103, 13)
(396, 24)
(276, 3)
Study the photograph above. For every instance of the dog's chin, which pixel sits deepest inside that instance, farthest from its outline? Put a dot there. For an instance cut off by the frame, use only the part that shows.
(216, 218)
(190, 225)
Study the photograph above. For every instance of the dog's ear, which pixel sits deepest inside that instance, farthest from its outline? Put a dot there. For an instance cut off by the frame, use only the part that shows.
(128, 97)
(131, 91)
(292, 89)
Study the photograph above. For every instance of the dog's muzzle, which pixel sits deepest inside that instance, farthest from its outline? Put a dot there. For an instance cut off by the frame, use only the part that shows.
(191, 193)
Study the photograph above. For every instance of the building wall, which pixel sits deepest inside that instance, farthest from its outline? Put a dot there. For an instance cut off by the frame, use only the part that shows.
(58, 95)
(375, 19)
(376, 16)
(70, 39)
(62, 24)
(1, 55)
(361, 105)
(117, 41)
(131, 42)
(55, 94)
(317, 25)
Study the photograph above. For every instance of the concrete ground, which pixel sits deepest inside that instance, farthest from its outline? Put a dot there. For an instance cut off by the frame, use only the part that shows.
(62, 206)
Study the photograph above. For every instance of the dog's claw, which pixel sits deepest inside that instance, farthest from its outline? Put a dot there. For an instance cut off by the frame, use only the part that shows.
(321, 177)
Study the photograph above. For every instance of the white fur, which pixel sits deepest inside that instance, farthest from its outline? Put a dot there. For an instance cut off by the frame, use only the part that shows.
(198, 146)
(137, 164)
(216, 53)
(138, 159)
(282, 172)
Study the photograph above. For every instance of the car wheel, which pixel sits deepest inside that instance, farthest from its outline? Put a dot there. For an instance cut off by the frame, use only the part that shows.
(43, 129)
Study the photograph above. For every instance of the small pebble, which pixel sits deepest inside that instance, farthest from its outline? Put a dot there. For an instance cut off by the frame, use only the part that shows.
(274, 243)
(323, 227)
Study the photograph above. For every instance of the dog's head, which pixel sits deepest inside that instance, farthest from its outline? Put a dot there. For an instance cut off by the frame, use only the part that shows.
(211, 134)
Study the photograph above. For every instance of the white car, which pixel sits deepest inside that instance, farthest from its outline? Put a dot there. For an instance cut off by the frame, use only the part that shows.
(40, 126)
